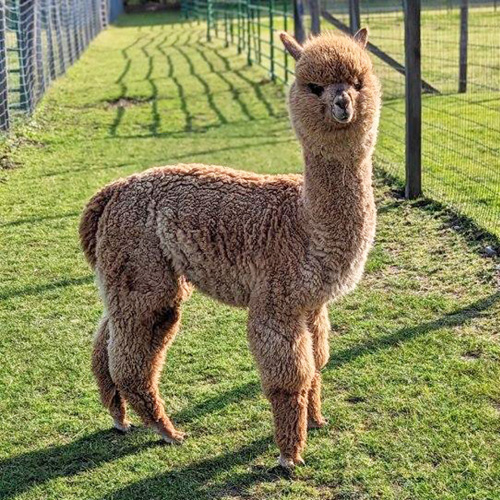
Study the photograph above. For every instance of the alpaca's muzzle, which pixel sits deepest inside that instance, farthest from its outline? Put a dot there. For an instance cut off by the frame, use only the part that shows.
(342, 107)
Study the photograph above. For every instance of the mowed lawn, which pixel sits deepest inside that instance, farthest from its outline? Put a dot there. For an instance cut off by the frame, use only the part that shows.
(412, 389)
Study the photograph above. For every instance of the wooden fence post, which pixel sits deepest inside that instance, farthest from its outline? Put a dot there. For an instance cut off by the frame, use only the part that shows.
(298, 21)
(314, 9)
(354, 16)
(464, 35)
(4, 93)
(26, 42)
(413, 98)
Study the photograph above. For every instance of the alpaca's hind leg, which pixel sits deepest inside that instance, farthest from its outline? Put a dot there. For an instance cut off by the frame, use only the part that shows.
(283, 350)
(137, 351)
(318, 325)
(110, 396)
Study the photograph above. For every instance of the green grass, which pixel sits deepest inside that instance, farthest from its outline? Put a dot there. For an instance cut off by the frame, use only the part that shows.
(411, 390)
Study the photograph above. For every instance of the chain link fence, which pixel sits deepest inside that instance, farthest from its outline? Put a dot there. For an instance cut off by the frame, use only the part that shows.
(460, 82)
(39, 40)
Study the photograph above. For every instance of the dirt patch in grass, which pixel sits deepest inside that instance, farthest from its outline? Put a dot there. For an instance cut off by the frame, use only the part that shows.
(127, 102)
(471, 356)
(7, 163)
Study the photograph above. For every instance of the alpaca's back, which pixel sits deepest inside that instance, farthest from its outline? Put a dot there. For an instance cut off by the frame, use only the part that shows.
(221, 229)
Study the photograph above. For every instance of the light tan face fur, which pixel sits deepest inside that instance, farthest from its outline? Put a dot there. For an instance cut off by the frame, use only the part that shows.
(335, 87)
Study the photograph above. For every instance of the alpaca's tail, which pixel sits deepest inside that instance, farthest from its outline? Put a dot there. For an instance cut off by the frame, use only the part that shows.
(90, 220)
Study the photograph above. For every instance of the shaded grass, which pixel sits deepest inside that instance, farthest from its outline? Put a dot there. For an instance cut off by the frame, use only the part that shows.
(411, 389)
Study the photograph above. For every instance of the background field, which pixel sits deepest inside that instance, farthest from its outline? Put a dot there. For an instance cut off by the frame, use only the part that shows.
(411, 390)
(461, 132)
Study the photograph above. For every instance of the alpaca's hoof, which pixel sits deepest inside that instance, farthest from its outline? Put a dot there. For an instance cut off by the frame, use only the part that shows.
(317, 424)
(122, 426)
(290, 463)
(174, 437)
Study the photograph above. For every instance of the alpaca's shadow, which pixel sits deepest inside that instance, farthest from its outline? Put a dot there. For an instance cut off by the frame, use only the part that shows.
(23, 472)
(211, 477)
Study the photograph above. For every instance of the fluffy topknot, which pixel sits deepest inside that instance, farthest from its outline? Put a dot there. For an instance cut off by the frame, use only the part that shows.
(330, 58)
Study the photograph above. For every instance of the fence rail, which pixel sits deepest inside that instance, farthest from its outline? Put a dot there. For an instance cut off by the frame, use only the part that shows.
(39, 40)
(450, 124)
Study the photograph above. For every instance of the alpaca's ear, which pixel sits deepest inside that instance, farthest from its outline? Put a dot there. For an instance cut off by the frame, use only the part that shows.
(291, 45)
(362, 37)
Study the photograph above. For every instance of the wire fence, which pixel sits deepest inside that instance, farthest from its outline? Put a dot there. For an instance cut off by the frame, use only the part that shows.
(460, 110)
(251, 26)
(39, 41)
(460, 47)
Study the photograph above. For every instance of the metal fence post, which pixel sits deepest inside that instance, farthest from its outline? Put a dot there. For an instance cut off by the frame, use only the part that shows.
(298, 21)
(209, 20)
(57, 21)
(26, 41)
(413, 98)
(285, 25)
(271, 40)
(259, 38)
(249, 35)
(314, 9)
(238, 25)
(226, 30)
(75, 18)
(4, 93)
(354, 16)
(104, 14)
(47, 7)
(40, 66)
(88, 21)
(464, 36)
(65, 12)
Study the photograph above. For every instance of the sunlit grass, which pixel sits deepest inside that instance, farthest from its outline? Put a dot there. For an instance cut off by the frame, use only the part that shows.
(411, 391)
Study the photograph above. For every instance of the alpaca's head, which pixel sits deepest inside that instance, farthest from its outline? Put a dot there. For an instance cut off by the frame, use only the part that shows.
(335, 87)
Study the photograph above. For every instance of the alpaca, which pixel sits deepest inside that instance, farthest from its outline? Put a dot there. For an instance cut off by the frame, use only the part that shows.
(283, 246)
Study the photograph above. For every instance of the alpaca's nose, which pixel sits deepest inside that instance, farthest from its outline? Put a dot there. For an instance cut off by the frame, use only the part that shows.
(342, 106)
(341, 100)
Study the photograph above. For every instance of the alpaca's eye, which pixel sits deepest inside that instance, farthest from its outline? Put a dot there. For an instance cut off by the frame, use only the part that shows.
(358, 85)
(315, 89)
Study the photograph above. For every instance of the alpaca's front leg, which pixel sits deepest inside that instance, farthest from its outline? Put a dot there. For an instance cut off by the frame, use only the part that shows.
(318, 325)
(283, 350)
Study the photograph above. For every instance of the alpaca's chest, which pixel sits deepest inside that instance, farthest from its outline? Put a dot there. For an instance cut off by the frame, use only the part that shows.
(340, 263)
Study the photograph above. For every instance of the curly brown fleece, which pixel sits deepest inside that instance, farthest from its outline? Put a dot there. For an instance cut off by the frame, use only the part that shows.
(283, 246)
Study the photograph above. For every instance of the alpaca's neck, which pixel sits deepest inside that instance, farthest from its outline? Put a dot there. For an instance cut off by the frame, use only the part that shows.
(338, 195)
